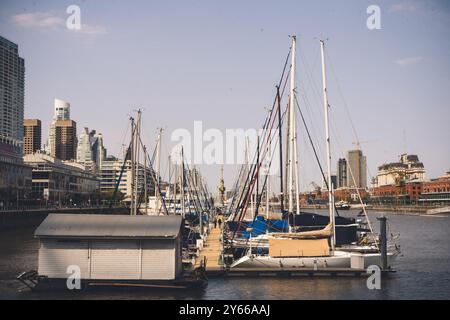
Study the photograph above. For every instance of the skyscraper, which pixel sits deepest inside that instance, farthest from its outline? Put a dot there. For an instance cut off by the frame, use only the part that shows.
(90, 150)
(341, 173)
(31, 135)
(356, 169)
(61, 113)
(12, 83)
(62, 110)
(15, 177)
(65, 139)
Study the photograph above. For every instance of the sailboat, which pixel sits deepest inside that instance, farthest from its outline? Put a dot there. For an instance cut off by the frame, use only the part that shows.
(314, 248)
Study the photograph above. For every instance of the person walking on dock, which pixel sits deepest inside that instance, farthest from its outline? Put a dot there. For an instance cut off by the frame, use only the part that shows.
(215, 222)
(220, 223)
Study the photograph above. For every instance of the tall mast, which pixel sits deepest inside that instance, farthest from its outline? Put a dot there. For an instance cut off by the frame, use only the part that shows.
(280, 138)
(249, 166)
(292, 134)
(268, 178)
(132, 165)
(175, 182)
(169, 188)
(136, 161)
(327, 134)
(182, 183)
(158, 168)
(145, 180)
(257, 174)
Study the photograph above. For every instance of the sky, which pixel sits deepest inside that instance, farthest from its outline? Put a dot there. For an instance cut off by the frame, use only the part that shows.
(219, 61)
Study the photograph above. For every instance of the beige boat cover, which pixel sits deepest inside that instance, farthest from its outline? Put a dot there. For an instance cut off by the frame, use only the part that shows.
(315, 234)
(298, 247)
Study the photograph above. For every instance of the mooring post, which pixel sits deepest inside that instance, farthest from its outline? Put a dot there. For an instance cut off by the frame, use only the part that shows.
(383, 242)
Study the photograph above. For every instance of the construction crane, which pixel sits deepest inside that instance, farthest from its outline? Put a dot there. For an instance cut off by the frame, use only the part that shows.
(358, 143)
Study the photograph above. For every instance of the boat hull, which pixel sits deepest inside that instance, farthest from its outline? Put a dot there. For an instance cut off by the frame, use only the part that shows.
(340, 259)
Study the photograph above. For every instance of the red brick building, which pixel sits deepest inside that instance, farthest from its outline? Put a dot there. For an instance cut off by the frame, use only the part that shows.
(408, 193)
(436, 191)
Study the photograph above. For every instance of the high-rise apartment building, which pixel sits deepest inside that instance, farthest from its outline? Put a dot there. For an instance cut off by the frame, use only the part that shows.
(356, 169)
(90, 150)
(341, 173)
(61, 113)
(15, 177)
(31, 135)
(65, 139)
(12, 84)
(110, 173)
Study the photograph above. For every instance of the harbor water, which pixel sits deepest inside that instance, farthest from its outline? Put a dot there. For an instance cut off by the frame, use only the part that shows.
(423, 271)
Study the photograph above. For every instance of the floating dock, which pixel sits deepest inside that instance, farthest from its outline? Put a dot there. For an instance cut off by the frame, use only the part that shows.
(212, 252)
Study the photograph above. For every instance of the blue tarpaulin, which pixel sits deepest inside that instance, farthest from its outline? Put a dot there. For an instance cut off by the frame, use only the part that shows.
(260, 225)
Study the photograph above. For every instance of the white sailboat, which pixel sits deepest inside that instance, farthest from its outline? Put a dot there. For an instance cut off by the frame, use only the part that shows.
(313, 249)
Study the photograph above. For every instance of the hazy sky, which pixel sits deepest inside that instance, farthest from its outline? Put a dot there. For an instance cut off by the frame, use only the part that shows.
(218, 61)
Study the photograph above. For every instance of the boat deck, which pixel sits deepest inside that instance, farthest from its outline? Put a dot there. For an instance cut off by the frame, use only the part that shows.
(212, 251)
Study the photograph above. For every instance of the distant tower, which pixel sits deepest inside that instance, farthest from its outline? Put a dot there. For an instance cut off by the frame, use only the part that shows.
(222, 188)
(341, 173)
(12, 84)
(357, 169)
(31, 135)
(61, 113)
(65, 139)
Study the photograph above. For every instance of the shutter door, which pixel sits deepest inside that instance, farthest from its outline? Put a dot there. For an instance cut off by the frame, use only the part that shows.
(158, 260)
(55, 256)
(115, 259)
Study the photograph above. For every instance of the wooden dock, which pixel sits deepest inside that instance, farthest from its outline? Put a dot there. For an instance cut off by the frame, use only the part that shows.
(212, 251)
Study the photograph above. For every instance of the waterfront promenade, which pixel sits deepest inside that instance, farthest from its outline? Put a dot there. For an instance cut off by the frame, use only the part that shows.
(30, 216)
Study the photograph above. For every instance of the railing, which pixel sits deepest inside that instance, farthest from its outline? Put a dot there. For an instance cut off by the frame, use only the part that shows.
(58, 207)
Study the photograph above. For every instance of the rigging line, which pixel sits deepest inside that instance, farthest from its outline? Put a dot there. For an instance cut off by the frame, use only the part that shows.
(310, 78)
(342, 96)
(317, 94)
(354, 183)
(273, 107)
(311, 117)
(195, 189)
(277, 140)
(314, 149)
(254, 179)
(153, 176)
(253, 166)
(317, 114)
(254, 176)
(125, 134)
(307, 104)
(235, 193)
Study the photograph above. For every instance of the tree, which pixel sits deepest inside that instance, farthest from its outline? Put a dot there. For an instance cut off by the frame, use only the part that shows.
(108, 195)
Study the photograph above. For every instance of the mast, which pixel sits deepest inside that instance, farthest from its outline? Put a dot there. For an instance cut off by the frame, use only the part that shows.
(292, 129)
(136, 162)
(249, 166)
(268, 179)
(175, 182)
(158, 168)
(280, 138)
(327, 134)
(182, 183)
(132, 165)
(145, 181)
(169, 189)
(257, 176)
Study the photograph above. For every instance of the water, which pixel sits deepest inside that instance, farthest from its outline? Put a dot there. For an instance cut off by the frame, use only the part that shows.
(423, 271)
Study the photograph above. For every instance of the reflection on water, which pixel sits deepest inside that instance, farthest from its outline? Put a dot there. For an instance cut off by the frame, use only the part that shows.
(423, 272)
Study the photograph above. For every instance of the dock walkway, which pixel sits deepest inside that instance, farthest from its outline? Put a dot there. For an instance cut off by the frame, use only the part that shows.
(212, 251)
